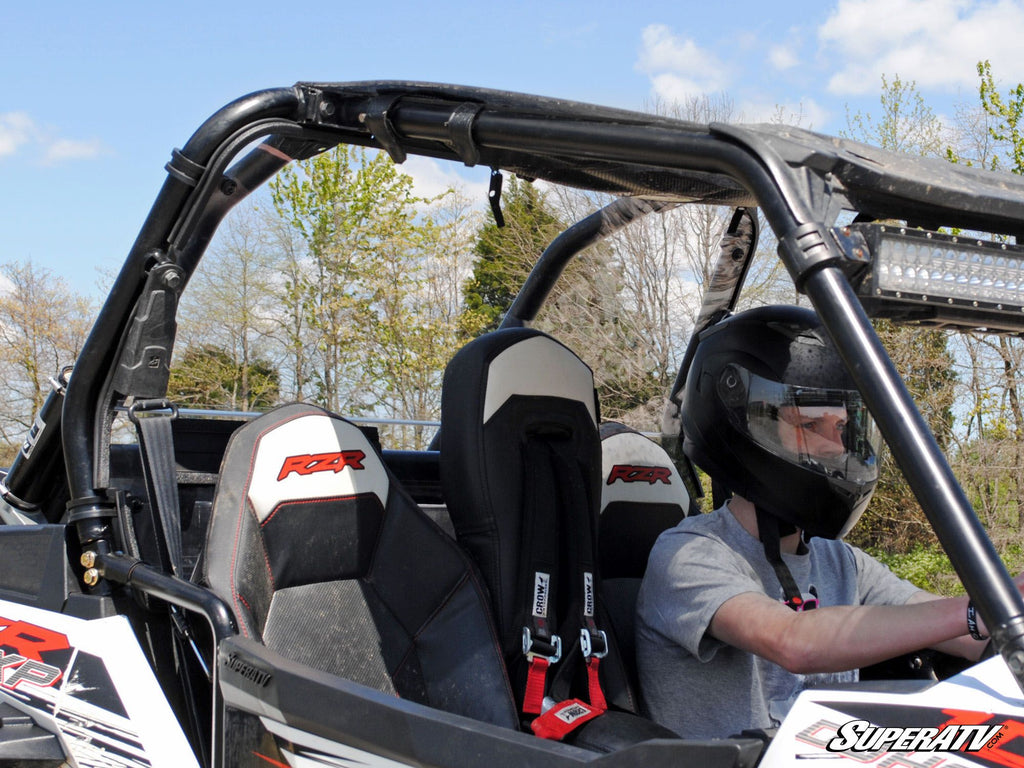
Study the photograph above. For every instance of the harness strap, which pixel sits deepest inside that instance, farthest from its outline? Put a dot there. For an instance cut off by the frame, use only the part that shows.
(768, 530)
(156, 444)
(580, 522)
(539, 576)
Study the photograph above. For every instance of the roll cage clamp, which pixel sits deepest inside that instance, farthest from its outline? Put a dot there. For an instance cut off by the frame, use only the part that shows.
(460, 132)
(813, 247)
(376, 119)
(151, 406)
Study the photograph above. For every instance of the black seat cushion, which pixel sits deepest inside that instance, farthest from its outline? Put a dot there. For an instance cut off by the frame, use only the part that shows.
(642, 494)
(325, 559)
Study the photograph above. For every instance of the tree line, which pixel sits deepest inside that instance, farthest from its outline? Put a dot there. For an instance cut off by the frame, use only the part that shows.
(340, 285)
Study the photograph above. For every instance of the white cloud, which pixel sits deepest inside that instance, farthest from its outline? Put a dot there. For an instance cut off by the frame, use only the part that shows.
(432, 178)
(679, 69)
(69, 149)
(935, 43)
(15, 130)
(19, 133)
(782, 57)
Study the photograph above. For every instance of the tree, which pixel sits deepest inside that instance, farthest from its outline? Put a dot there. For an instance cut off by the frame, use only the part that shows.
(505, 256)
(43, 324)
(228, 314)
(212, 377)
(1008, 112)
(907, 124)
(372, 270)
(922, 356)
(329, 201)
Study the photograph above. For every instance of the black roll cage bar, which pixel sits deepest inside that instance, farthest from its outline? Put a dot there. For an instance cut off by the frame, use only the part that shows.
(799, 180)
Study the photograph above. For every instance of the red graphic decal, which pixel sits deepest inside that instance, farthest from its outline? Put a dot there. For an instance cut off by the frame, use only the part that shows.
(628, 473)
(1002, 748)
(309, 463)
(21, 644)
(28, 640)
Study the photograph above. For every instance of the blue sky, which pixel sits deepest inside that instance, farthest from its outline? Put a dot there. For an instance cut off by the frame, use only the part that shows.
(93, 96)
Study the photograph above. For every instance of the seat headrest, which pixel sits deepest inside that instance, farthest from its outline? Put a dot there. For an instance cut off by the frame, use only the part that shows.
(642, 494)
(317, 491)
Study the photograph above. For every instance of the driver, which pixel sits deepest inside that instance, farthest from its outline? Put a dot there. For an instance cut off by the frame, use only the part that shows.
(743, 608)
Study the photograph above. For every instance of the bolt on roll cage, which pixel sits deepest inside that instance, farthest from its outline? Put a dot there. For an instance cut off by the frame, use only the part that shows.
(801, 181)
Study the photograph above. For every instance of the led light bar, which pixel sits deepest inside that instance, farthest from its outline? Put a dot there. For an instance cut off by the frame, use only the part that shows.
(937, 279)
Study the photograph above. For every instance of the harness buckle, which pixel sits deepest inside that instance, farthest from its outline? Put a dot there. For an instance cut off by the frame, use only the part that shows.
(587, 644)
(552, 653)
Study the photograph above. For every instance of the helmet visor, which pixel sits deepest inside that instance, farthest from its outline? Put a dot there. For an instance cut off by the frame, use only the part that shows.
(828, 431)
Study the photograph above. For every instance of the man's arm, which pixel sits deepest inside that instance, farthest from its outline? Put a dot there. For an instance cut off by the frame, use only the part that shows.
(838, 638)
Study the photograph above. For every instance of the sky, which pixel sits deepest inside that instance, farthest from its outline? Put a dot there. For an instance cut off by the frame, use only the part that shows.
(94, 96)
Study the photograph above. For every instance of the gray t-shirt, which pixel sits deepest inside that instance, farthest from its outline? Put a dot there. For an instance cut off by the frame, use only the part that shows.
(702, 688)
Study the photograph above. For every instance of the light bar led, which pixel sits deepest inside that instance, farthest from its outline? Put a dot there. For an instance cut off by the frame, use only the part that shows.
(938, 279)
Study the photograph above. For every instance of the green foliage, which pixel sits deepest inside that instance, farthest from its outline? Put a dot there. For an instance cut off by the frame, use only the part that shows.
(907, 123)
(926, 566)
(1008, 113)
(210, 377)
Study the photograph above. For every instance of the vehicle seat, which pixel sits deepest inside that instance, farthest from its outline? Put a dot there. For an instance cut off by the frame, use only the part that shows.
(515, 403)
(327, 560)
(642, 494)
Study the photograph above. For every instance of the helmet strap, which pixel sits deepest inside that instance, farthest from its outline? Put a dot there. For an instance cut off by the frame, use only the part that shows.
(770, 535)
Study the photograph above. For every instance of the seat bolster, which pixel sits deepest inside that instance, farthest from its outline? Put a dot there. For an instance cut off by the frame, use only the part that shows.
(466, 668)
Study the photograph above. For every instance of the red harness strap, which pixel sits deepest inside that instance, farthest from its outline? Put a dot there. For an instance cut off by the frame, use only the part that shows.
(597, 699)
(536, 678)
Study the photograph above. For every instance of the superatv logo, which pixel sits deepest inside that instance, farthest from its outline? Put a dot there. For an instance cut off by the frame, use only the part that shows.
(861, 736)
(936, 738)
(21, 646)
(628, 473)
(308, 463)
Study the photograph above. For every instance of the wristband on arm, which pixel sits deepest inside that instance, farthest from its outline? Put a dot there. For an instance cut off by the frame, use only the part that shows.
(972, 622)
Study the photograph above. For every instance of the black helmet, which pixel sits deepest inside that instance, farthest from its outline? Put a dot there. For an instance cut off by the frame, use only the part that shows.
(770, 412)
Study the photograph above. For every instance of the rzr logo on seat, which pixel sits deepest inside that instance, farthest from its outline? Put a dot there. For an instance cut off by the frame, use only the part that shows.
(21, 644)
(309, 463)
(629, 473)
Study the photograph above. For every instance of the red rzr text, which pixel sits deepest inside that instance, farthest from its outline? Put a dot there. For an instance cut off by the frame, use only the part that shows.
(628, 473)
(309, 463)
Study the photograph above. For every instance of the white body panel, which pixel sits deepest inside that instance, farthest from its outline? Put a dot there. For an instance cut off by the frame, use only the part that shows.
(982, 704)
(96, 690)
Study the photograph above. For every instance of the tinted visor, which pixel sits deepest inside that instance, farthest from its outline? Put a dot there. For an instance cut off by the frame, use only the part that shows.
(825, 430)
